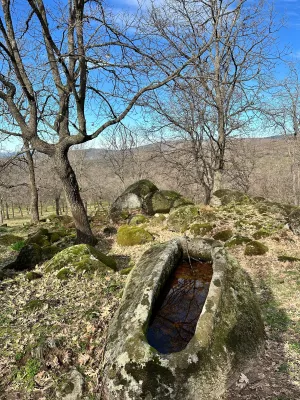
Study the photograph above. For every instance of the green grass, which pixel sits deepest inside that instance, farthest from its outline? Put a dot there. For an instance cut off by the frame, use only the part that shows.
(25, 374)
(295, 346)
(18, 245)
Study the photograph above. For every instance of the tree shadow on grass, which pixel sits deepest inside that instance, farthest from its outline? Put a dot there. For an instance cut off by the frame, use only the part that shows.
(271, 374)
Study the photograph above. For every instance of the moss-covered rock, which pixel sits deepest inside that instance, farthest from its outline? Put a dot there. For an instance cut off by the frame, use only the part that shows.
(30, 255)
(41, 237)
(158, 219)
(109, 230)
(141, 188)
(237, 240)
(31, 275)
(162, 201)
(286, 258)
(138, 219)
(182, 201)
(50, 251)
(64, 273)
(255, 248)
(223, 235)
(200, 229)
(261, 233)
(9, 239)
(64, 220)
(181, 218)
(57, 235)
(126, 271)
(133, 235)
(207, 214)
(227, 196)
(81, 257)
(131, 199)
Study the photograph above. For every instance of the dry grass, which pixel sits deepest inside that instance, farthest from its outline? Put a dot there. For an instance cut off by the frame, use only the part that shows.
(48, 326)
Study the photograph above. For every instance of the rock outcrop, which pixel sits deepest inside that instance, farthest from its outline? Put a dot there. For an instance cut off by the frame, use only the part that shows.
(144, 197)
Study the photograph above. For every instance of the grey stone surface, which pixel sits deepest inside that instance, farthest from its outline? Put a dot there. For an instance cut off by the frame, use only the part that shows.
(229, 330)
(72, 388)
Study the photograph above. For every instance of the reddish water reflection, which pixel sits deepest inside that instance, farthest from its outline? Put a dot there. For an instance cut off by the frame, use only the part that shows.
(177, 310)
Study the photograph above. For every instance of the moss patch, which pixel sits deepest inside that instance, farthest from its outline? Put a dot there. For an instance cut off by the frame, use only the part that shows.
(141, 188)
(138, 219)
(41, 237)
(9, 239)
(285, 258)
(181, 218)
(227, 196)
(255, 248)
(133, 235)
(64, 273)
(158, 220)
(81, 257)
(261, 233)
(224, 235)
(30, 276)
(198, 229)
(237, 241)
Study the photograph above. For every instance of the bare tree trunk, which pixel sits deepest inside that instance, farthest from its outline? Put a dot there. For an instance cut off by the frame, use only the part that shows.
(1, 214)
(218, 180)
(13, 210)
(41, 207)
(7, 211)
(208, 194)
(2, 209)
(34, 206)
(67, 207)
(21, 211)
(71, 189)
(57, 208)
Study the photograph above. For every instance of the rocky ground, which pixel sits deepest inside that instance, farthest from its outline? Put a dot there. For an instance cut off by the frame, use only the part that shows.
(52, 330)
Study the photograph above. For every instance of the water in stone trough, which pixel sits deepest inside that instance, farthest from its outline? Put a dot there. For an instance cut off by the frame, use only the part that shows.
(178, 307)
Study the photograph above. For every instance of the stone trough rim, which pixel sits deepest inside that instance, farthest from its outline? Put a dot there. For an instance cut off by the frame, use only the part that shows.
(215, 253)
(204, 330)
(203, 369)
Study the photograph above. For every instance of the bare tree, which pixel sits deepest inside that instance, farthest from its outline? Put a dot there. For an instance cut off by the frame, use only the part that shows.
(222, 94)
(283, 115)
(70, 72)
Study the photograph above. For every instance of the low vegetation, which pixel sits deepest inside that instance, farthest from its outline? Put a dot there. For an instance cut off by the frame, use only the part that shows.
(55, 317)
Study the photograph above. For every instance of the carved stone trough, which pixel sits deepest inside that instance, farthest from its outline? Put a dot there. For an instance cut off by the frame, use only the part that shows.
(228, 332)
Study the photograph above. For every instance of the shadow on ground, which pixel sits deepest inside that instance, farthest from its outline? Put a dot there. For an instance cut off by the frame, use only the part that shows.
(270, 375)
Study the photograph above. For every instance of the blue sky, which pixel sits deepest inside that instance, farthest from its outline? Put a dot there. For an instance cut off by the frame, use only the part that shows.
(289, 10)
(289, 34)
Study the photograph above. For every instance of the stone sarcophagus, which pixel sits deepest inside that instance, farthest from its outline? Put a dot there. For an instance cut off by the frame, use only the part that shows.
(180, 333)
